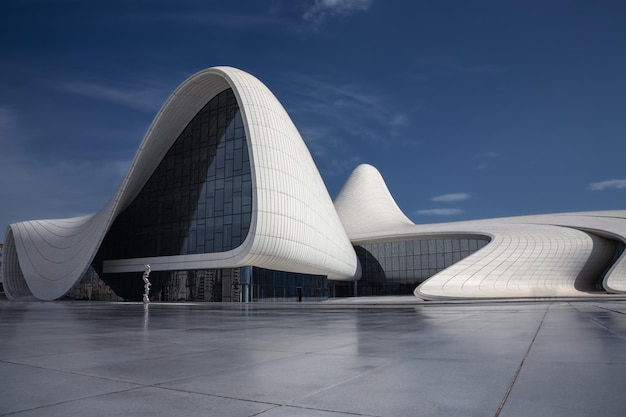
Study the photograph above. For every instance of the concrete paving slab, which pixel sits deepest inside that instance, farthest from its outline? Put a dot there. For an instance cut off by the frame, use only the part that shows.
(162, 369)
(568, 389)
(28, 388)
(282, 381)
(419, 387)
(329, 359)
(150, 401)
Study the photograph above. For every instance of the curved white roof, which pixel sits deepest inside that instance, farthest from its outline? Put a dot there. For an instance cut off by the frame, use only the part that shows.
(294, 226)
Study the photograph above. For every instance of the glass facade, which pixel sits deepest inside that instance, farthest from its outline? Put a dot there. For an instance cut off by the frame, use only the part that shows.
(199, 199)
(398, 267)
(204, 285)
(269, 285)
(220, 285)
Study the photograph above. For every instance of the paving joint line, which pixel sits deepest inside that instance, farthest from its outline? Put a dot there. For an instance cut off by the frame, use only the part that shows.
(599, 323)
(519, 368)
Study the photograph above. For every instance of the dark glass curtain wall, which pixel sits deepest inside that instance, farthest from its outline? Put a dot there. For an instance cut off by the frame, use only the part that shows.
(199, 199)
(397, 268)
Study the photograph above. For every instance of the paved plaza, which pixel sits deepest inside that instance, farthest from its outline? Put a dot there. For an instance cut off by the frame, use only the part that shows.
(366, 357)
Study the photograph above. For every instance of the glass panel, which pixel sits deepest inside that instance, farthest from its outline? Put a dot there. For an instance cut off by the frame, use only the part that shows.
(198, 179)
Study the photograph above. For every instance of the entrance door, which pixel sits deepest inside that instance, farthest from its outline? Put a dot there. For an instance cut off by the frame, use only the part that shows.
(227, 279)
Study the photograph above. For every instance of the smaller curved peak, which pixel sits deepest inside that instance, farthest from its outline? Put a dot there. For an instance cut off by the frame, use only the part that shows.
(365, 205)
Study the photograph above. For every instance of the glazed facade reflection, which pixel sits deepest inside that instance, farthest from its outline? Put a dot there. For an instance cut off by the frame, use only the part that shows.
(220, 285)
(198, 200)
(269, 285)
(398, 267)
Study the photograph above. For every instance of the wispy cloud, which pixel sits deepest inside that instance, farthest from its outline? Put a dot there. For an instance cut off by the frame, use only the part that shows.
(327, 150)
(410, 143)
(458, 69)
(399, 120)
(147, 97)
(485, 156)
(357, 110)
(330, 115)
(322, 142)
(439, 212)
(44, 186)
(61, 189)
(603, 185)
(453, 68)
(447, 198)
(8, 127)
(489, 154)
(7, 116)
(338, 166)
(321, 10)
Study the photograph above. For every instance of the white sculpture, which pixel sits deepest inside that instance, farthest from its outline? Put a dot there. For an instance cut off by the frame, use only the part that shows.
(147, 284)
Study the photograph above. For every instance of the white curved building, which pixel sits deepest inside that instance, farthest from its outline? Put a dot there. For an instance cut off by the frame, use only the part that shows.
(223, 197)
(221, 180)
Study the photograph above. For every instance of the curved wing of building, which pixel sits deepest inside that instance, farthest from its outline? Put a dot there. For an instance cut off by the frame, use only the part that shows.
(45, 258)
(607, 224)
(524, 260)
(569, 254)
(291, 226)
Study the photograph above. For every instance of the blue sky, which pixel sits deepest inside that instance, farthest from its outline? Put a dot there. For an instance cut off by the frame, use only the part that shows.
(469, 109)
